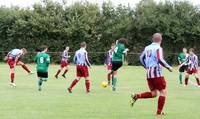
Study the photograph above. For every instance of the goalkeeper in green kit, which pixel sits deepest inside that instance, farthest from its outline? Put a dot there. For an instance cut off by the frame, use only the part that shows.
(117, 59)
(42, 59)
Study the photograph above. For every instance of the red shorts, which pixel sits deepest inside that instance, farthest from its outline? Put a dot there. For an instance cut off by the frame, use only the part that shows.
(82, 71)
(158, 83)
(11, 63)
(109, 67)
(64, 64)
(193, 71)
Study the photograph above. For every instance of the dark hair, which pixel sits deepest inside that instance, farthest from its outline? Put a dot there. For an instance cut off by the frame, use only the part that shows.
(191, 49)
(38, 50)
(83, 44)
(113, 44)
(123, 41)
(43, 47)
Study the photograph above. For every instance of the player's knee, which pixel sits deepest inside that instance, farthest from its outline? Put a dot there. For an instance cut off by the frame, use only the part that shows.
(12, 70)
(196, 75)
(186, 75)
(78, 78)
(154, 94)
(114, 73)
(163, 92)
(20, 63)
(86, 78)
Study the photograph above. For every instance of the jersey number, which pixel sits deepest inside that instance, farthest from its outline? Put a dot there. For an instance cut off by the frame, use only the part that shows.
(41, 60)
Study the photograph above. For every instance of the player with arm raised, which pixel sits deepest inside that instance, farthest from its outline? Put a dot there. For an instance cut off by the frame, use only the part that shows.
(82, 64)
(13, 58)
(64, 63)
(108, 61)
(182, 58)
(192, 62)
(152, 60)
(117, 59)
(42, 60)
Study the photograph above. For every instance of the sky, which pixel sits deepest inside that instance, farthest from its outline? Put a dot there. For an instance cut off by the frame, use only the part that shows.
(29, 3)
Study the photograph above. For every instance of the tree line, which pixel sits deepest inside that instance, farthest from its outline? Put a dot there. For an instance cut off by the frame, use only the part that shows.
(59, 24)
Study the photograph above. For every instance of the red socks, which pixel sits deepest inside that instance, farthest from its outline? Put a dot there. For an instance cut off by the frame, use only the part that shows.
(65, 71)
(73, 83)
(109, 77)
(186, 81)
(87, 84)
(197, 79)
(58, 72)
(12, 76)
(161, 102)
(25, 68)
(198, 82)
(144, 95)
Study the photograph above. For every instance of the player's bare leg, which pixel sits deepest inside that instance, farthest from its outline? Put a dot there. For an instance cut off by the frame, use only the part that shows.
(186, 79)
(64, 74)
(144, 95)
(12, 77)
(87, 84)
(161, 102)
(58, 72)
(197, 79)
(74, 82)
(24, 67)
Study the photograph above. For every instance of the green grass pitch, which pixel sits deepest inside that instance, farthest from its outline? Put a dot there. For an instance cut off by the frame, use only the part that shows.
(25, 102)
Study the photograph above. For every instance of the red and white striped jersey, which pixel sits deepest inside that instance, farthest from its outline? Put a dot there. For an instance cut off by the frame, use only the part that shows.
(15, 53)
(81, 57)
(192, 62)
(152, 59)
(65, 55)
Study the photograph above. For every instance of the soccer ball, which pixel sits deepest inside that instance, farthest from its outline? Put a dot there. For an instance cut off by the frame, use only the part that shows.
(104, 84)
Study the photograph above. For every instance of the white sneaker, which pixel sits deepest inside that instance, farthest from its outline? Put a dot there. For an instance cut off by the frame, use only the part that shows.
(31, 73)
(13, 84)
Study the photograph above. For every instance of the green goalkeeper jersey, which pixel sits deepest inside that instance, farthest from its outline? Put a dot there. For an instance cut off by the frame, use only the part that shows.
(42, 60)
(182, 57)
(119, 52)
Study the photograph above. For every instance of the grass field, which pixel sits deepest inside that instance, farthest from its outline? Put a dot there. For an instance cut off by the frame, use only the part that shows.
(25, 102)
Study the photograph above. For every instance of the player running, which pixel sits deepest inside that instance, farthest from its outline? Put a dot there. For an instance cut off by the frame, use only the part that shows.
(82, 64)
(117, 59)
(108, 61)
(64, 63)
(43, 60)
(192, 62)
(152, 60)
(13, 58)
(182, 58)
